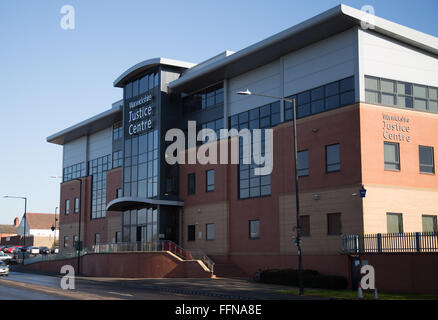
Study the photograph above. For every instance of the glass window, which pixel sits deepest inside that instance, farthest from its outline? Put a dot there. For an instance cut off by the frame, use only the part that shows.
(332, 102)
(392, 156)
(303, 98)
(128, 91)
(76, 205)
(151, 81)
(67, 206)
(347, 84)
(388, 99)
(420, 91)
(97, 238)
(191, 183)
(191, 233)
(372, 97)
(144, 84)
(135, 88)
(334, 226)
(372, 83)
(209, 231)
(347, 98)
(66, 242)
(394, 222)
(305, 226)
(333, 158)
(404, 88)
(420, 104)
(303, 163)
(426, 159)
(429, 223)
(332, 89)
(387, 85)
(210, 180)
(433, 93)
(254, 229)
(318, 94)
(317, 106)
(404, 102)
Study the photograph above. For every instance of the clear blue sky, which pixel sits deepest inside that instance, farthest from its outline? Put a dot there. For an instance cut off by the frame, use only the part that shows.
(52, 78)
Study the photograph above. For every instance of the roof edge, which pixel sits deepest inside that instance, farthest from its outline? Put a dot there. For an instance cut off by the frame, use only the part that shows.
(119, 82)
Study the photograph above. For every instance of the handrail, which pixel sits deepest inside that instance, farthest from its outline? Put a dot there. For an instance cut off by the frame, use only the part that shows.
(390, 242)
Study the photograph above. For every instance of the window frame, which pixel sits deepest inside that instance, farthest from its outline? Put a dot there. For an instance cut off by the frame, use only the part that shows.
(209, 187)
(434, 217)
(189, 192)
(250, 232)
(67, 207)
(400, 216)
(189, 227)
(334, 163)
(207, 232)
(306, 168)
(76, 205)
(433, 160)
(385, 163)
(330, 231)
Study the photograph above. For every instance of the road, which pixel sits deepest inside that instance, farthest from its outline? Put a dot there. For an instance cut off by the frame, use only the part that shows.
(37, 286)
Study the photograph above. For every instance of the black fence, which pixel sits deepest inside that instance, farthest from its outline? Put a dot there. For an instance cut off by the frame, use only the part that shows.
(391, 242)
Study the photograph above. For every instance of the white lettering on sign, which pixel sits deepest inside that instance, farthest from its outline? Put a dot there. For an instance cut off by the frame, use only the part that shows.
(140, 115)
(396, 128)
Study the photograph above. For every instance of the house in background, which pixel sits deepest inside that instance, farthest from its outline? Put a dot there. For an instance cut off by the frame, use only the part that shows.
(39, 228)
(7, 230)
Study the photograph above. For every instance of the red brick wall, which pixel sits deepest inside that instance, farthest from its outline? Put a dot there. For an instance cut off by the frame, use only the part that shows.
(128, 265)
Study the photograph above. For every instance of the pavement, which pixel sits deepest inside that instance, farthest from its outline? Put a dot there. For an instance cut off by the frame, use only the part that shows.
(93, 288)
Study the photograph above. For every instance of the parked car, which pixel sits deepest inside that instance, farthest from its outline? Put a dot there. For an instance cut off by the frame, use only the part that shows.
(33, 250)
(44, 250)
(4, 256)
(4, 269)
(10, 249)
(56, 250)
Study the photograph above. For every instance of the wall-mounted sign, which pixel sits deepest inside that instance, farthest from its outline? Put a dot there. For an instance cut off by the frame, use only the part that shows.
(139, 116)
(396, 128)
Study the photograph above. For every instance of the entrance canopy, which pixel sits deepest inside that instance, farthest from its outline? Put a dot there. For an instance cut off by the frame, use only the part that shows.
(128, 203)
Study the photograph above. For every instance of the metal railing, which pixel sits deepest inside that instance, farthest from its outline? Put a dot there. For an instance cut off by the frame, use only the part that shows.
(51, 257)
(391, 242)
(197, 254)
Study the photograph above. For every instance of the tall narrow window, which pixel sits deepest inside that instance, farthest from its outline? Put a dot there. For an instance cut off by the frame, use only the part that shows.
(429, 223)
(394, 222)
(392, 156)
(254, 229)
(210, 180)
(426, 159)
(97, 238)
(67, 206)
(76, 205)
(191, 233)
(209, 232)
(66, 241)
(334, 226)
(303, 163)
(191, 183)
(305, 226)
(333, 158)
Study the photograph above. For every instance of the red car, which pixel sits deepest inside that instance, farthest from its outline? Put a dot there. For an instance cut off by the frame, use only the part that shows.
(10, 249)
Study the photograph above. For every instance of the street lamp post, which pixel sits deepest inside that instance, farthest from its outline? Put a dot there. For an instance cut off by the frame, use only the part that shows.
(298, 238)
(25, 220)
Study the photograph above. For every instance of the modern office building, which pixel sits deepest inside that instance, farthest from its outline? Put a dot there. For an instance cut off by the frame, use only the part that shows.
(367, 108)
